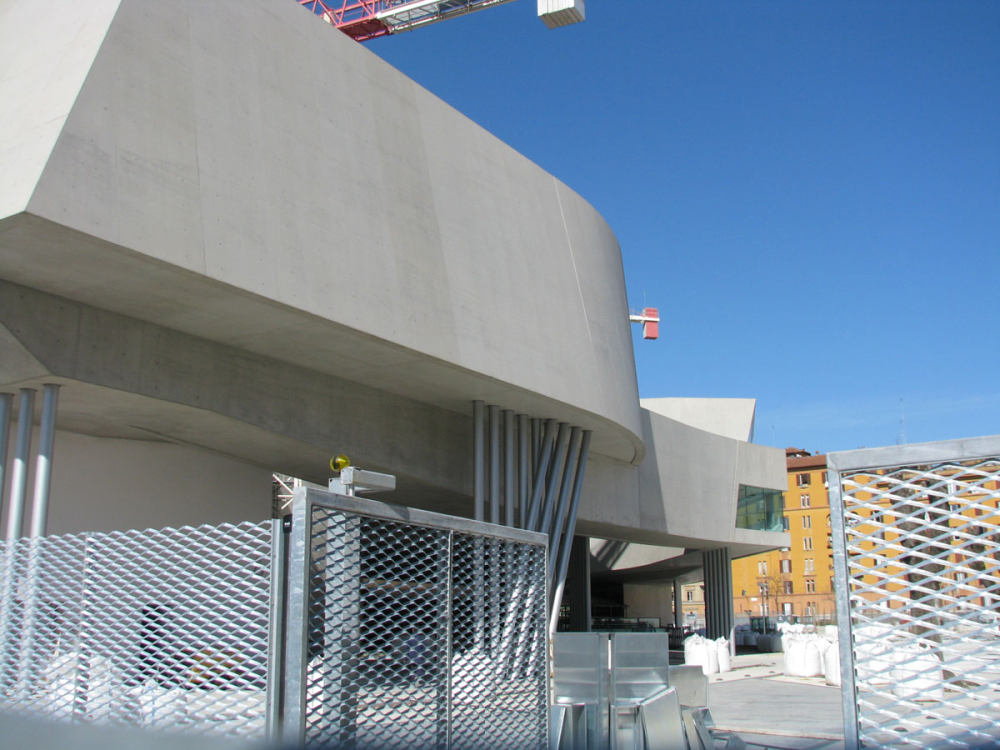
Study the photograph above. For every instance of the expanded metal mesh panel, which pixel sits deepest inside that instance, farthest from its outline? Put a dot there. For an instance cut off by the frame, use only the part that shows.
(923, 580)
(162, 629)
(423, 637)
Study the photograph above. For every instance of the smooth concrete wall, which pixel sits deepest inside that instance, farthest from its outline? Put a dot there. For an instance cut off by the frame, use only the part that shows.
(103, 484)
(729, 417)
(128, 378)
(649, 600)
(685, 491)
(250, 145)
(45, 54)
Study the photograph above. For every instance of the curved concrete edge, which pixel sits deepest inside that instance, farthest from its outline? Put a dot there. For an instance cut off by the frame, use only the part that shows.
(389, 216)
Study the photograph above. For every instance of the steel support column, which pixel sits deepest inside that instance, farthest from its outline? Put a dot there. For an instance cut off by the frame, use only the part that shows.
(479, 460)
(19, 472)
(718, 594)
(6, 407)
(43, 465)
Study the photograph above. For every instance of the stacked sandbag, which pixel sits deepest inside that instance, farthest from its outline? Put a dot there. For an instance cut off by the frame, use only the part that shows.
(722, 649)
(702, 652)
(804, 654)
(917, 674)
(744, 636)
(769, 642)
(831, 657)
(874, 655)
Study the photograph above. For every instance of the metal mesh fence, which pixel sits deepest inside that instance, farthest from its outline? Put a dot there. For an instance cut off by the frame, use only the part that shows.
(408, 634)
(160, 629)
(421, 636)
(920, 571)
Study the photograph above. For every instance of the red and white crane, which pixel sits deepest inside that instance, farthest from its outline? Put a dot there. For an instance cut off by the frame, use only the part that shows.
(368, 19)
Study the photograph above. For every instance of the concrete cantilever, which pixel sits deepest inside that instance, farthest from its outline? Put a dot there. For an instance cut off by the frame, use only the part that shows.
(232, 266)
(171, 164)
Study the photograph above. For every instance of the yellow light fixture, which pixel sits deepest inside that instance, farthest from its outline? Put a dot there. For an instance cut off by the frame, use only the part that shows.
(339, 462)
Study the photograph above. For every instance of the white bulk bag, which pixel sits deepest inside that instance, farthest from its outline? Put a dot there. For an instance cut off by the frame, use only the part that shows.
(694, 651)
(874, 662)
(831, 664)
(722, 651)
(917, 674)
(794, 656)
(802, 656)
(703, 652)
(813, 656)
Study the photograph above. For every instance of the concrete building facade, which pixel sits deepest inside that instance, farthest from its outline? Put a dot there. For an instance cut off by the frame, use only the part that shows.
(232, 267)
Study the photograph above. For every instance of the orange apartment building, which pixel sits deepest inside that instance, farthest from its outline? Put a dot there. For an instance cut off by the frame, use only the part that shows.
(963, 535)
(796, 580)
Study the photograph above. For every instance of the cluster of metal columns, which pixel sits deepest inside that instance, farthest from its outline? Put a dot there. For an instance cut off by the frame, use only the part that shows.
(528, 474)
(22, 455)
(718, 594)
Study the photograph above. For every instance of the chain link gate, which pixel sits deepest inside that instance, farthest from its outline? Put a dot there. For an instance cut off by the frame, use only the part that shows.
(916, 539)
(409, 629)
(351, 623)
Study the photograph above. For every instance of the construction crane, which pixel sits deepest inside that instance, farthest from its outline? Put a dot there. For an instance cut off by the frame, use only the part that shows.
(649, 318)
(368, 19)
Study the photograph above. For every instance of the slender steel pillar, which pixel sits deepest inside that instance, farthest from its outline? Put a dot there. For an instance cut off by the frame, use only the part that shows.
(509, 458)
(494, 464)
(19, 471)
(559, 582)
(6, 407)
(523, 467)
(479, 460)
(566, 488)
(544, 455)
(43, 465)
(555, 477)
(678, 605)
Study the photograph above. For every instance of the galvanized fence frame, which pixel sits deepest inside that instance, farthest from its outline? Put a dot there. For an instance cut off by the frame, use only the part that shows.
(503, 675)
(910, 524)
(158, 628)
(212, 630)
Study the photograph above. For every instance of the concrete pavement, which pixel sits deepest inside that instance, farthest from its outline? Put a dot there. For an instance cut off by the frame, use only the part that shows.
(769, 709)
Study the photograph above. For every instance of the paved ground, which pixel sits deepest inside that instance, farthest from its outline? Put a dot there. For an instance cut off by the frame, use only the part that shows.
(765, 708)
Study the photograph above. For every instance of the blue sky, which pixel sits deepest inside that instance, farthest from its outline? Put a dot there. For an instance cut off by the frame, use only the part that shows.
(809, 192)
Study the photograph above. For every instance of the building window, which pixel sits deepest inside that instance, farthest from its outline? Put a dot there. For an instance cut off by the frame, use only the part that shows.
(810, 586)
(788, 587)
(807, 522)
(807, 543)
(762, 568)
(803, 479)
(810, 565)
(758, 508)
(804, 501)
(689, 595)
(787, 608)
(784, 523)
(786, 566)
